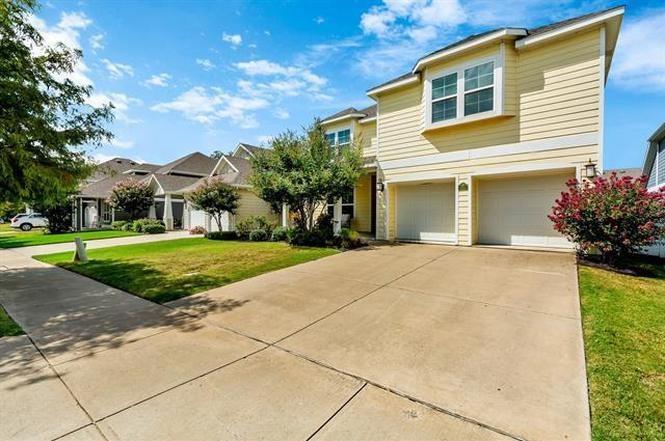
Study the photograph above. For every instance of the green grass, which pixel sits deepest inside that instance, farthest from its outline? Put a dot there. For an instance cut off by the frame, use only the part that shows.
(624, 338)
(168, 270)
(15, 238)
(7, 325)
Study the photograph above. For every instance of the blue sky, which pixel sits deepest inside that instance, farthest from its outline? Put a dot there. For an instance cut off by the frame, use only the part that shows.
(203, 75)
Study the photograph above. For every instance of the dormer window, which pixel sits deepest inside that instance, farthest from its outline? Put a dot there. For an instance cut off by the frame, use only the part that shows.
(463, 93)
(340, 138)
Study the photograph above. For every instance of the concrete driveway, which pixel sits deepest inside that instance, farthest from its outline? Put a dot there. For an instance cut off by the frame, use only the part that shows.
(398, 342)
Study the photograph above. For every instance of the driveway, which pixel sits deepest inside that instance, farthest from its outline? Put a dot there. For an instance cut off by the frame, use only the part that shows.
(397, 342)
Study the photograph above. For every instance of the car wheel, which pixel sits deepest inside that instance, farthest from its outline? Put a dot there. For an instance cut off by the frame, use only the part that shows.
(26, 227)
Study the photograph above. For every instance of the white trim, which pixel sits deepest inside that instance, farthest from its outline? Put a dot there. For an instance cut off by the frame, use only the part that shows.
(229, 162)
(390, 86)
(470, 214)
(601, 103)
(531, 40)
(538, 145)
(240, 146)
(342, 118)
(366, 120)
(500, 78)
(421, 176)
(456, 210)
(135, 170)
(187, 173)
(463, 47)
(378, 137)
(386, 195)
(529, 167)
(153, 177)
(336, 133)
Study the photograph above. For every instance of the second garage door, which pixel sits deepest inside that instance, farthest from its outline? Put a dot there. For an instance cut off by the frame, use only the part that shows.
(426, 212)
(514, 211)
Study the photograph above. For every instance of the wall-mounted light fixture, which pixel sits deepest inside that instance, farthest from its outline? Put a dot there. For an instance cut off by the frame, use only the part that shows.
(590, 169)
(380, 186)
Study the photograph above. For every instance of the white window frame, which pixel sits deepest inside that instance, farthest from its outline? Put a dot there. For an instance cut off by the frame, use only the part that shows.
(106, 212)
(346, 204)
(336, 133)
(445, 97)
(432, 74)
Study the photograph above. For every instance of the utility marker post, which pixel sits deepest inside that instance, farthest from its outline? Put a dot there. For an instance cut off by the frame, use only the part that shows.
(80, 255)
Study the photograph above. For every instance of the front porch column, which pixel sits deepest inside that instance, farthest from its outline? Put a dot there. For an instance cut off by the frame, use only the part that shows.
(337, 216)
(285, 215)
(152, 211)
(168, 212)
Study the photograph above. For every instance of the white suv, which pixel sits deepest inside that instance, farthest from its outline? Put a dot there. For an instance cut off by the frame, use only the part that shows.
(27, 223)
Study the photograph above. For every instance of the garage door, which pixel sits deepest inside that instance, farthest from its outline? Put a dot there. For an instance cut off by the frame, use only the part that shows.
(514, 211)
(425, 212)
(198, 219)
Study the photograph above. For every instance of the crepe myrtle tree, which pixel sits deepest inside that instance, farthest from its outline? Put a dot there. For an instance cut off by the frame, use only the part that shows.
(131, 196)
(215, 197)
(304, 171)
(616, 215)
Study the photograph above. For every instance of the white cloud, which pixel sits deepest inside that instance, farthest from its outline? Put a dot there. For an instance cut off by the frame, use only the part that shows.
(319, 20)
(639, 60)
(96, 42)
(121, 144)
(264, 139)
(121, 103)
(234, 39)
(295, 79)
(159, 80)
(209, 105)
(117, 70)
(280, 113)
(67, 32)
(205, 63)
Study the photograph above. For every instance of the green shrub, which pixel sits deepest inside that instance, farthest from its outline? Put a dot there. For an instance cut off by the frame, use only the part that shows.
(140, 224)
(221, 235)
(251, 223)
(128, 226)
(258, 235)
(280, 234)
(324, 224)
(350, 239)
(119, 225)
(306, 238)
(154, 228)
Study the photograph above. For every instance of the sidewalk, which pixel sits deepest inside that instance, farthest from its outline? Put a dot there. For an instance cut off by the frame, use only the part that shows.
(102, 243)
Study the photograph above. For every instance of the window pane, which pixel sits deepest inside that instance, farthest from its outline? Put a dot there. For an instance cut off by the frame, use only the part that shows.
(330, 137)
(348, 198)
(344, 137)
(479, 76)
(331, 210)
(481, 101)
(347, 209)
(444, 86)
(445, 109)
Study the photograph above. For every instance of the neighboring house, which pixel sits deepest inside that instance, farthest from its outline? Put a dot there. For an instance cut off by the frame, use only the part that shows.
(654, 169)
(235, 170)
(170, 183)
(477, 141)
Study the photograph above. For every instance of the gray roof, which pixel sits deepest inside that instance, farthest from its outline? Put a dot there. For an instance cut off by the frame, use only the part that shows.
(195, 163)
(241, 177)
(102, 188)
(633, 172)
(253, 148)
(367, 112)
(117, 166)
(529, 32)
(174, 183)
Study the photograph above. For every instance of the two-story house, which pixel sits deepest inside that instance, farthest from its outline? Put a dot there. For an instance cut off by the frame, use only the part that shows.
(475, 143)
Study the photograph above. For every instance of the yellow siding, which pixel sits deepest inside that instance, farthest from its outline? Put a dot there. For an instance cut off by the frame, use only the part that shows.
(364, 134)
(463, 208)
(251, 205)
(363, 211)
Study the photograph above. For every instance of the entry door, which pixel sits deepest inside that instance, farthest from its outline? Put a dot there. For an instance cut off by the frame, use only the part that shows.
(426, 212)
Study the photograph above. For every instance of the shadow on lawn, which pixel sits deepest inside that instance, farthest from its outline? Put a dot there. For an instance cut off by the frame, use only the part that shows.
(70, 316)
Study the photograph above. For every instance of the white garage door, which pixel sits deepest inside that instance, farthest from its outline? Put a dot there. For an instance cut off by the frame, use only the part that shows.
(514, 211)
(197, 219)
(426, 212)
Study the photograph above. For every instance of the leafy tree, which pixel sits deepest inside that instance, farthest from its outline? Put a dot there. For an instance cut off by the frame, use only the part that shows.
(304, 171)
(215, 197)
(44, 118)
(131, 196)
(616, 216)
(217, 154)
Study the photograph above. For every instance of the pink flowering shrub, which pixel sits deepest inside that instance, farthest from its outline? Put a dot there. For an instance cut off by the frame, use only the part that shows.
(616, 216)
(131, 196)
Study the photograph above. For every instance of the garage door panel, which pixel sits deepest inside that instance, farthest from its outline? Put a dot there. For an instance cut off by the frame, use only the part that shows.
(426, 212)
(514, 211)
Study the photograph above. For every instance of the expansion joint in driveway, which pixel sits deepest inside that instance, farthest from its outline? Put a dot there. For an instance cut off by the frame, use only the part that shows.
(337, 411)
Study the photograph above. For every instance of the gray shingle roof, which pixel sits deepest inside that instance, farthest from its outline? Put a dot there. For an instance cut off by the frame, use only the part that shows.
(241, 177)
(174, 183)
(253, 148)
(102, 188)
(368, 112)
(195, 163)
(118, 165)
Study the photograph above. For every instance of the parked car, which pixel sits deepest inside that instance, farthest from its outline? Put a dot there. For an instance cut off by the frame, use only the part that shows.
(29, 221)
(16, 216)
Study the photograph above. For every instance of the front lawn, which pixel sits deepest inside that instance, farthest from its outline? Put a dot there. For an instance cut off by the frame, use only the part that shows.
(624, 338)
(14, 238)
(7, 326)
(168, 270)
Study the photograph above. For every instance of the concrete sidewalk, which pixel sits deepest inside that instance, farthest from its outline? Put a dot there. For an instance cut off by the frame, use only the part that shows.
(101, 243)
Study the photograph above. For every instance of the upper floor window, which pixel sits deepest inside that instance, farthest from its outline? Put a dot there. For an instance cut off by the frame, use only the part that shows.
(479, 88)
(461, 92)
(341, 138)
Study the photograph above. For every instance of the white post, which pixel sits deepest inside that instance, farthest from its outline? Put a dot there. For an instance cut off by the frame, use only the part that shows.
(112, 214)
(152, 212)
(80, 254)
(285, 215)
(168, 212)
(337, 217)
